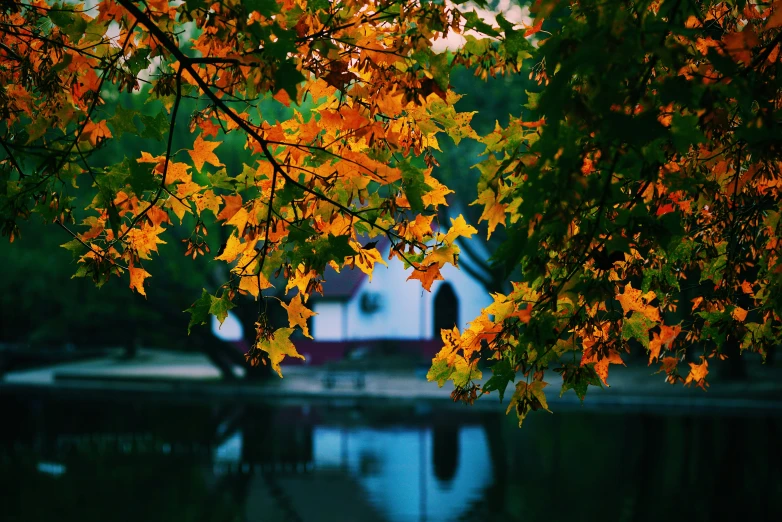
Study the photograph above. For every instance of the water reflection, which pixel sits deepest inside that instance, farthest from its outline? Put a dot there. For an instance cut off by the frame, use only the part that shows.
(100, 460)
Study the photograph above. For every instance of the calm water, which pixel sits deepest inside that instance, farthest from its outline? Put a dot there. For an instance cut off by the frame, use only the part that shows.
(117, 460)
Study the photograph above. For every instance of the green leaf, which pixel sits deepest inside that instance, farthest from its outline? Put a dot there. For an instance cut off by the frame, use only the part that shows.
(75, 247)
(413, 184)
(502, 375)
(155, 128)
(474, 21)
(70, 23)
(199, 311)
(440, 372)
(685, 132)
(123, 122)
(265, 7)
(579, 379)
(219, 306)
(288, 77)
(637, 327)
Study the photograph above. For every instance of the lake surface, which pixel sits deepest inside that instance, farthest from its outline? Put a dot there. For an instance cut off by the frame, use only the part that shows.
(121, 460)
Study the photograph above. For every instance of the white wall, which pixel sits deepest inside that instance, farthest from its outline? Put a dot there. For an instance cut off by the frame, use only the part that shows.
(406, 310)
(329, 323)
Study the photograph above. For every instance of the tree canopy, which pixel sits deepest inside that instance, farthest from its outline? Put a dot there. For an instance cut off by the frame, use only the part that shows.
(639, 187)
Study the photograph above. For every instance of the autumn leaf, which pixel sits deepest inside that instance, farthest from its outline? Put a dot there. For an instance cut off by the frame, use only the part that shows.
(366, 258)
(137, 277)
(278, 347)
(254, 284)
(601, 362)
(233, 203)
(493, 210)
(94, 133)
(203, 153)
(739, 314)
(145, 240)
(634, 300)
(232, 249)
(298, 314)
(459, 228)
(698, 373)
(527, 398)
(427, 275)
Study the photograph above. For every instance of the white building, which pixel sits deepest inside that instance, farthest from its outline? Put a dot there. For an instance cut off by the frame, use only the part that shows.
(389, 307)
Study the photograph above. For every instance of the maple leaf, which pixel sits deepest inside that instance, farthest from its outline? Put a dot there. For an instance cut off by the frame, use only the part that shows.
(254, 284)
(203, 153)
(94, 133)
(145, 240)
(232, 205)
(698, 373)
(366, 258)
(527, 398)
(427, 275)
(634, 300)
(459, 228)
(493, 210)
(298, 314)
(601, 362)
(442, 255)
(137, 277)
(233, 247)
(278, 347)
(662, 340)
(219, 306)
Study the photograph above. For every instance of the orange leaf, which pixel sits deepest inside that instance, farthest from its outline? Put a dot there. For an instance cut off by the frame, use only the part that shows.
(202, 153)
(633, 300)
(232, 206)
(427, 275)
(739, 314)
(668, 334)
(534, 29)
(137, 276)
(654, 348)
(145, 240)
(601, 363)
(95, 132)
(698, 373)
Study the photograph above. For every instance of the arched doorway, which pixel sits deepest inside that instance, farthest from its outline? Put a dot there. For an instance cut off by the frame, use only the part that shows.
(446, 309)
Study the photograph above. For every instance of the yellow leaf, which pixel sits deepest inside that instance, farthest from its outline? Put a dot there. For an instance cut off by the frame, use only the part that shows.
(300, 279)
(239, 220)
(493, 210)
(365, 259)
(442, 255)
(233, 247)
(298, 314)
(435, 196)
(459, 228)
(253, 284)
(278, 347)
(137, 276)
(202, 153)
